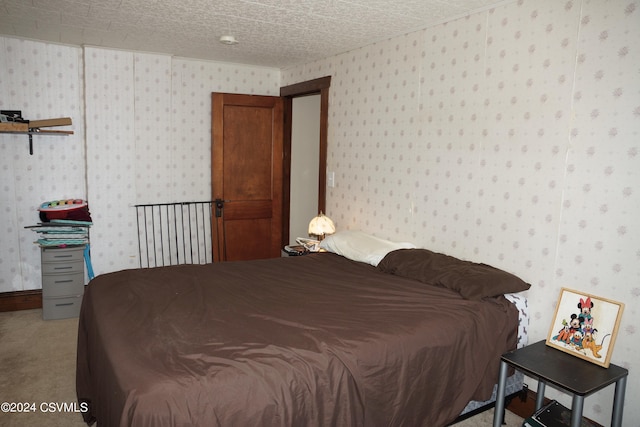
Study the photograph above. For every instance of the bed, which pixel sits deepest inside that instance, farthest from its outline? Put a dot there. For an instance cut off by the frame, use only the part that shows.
(317, 340)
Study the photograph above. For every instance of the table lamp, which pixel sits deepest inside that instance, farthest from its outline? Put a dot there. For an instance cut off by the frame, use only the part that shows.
(321, 225)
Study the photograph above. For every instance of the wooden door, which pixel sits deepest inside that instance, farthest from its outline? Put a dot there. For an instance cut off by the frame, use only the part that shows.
(246, 176)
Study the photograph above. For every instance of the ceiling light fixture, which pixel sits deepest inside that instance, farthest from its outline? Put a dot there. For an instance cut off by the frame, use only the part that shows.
(228, 40)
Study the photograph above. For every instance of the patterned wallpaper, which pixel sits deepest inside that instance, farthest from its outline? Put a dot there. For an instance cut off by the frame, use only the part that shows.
(508, 137)
(44, 81)
(148, 140)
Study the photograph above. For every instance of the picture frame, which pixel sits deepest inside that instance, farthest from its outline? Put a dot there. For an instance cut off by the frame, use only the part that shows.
(585, 326)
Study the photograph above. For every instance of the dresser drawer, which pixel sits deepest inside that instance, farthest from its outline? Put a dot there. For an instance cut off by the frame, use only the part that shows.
(61, 308)
(62, 254)
(62, 285)
(62, 267)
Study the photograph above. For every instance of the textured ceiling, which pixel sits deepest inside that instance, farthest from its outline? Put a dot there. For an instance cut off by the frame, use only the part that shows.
(272, 33)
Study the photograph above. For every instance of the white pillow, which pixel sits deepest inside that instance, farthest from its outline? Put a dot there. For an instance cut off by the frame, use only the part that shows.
(362, 247)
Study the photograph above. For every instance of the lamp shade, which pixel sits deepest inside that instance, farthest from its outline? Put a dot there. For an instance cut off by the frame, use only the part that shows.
(321, 225)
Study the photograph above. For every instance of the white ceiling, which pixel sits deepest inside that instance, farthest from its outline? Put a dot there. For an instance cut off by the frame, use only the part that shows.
(272, 33)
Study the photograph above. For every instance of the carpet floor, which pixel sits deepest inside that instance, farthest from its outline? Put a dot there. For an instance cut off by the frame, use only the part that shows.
(38, 359)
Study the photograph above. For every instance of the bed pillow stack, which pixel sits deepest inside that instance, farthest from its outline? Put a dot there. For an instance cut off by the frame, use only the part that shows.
(471, 280)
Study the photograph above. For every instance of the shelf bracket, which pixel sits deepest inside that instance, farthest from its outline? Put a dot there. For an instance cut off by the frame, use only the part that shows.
(10, 128)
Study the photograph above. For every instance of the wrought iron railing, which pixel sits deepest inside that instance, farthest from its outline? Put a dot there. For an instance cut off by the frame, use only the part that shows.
(174, 233)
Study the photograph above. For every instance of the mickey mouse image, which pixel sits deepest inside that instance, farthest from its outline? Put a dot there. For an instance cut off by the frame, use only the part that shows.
(575, 323)
(580, 333)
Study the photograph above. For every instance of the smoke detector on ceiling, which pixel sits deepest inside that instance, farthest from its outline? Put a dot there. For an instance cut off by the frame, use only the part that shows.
(229, 40)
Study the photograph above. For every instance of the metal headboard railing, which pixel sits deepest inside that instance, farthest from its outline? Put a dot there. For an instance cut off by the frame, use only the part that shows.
(174, 233)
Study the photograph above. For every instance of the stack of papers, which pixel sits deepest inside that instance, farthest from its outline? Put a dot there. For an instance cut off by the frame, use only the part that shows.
(62, 232)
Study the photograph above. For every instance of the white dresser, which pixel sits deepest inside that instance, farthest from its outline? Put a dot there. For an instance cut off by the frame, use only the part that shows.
(62, 282)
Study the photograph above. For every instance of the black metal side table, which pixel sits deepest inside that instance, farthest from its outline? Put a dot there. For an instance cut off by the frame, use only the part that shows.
(570, 374)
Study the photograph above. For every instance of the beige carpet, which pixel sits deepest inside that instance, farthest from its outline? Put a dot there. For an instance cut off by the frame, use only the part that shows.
(37, 361)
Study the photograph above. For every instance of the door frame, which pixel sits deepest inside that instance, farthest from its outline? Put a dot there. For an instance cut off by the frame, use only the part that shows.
(312, 87)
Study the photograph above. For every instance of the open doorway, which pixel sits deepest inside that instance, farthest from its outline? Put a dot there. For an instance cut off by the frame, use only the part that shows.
(307, 98)
(304, 182)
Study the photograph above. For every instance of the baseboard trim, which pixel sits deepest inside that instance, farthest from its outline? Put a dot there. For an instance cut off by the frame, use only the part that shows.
(20, 300)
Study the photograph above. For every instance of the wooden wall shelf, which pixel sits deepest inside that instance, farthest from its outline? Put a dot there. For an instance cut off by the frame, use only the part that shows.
(15, 128)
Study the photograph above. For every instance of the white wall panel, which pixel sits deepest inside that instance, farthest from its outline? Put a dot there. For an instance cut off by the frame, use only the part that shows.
(111, 161)
(43, 81)
(148, 140)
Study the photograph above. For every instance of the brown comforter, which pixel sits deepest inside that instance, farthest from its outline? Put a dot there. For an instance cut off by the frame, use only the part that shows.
(315, 340)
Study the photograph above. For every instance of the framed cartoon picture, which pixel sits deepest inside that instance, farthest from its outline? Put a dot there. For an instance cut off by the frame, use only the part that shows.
(585, 326)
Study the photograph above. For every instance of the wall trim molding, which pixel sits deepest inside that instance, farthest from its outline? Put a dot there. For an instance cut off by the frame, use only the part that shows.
(20, 300)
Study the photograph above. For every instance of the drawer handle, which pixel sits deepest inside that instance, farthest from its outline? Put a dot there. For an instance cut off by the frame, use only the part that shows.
(62, 256)
(63, 268)
(63, 281)
(63, 304)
